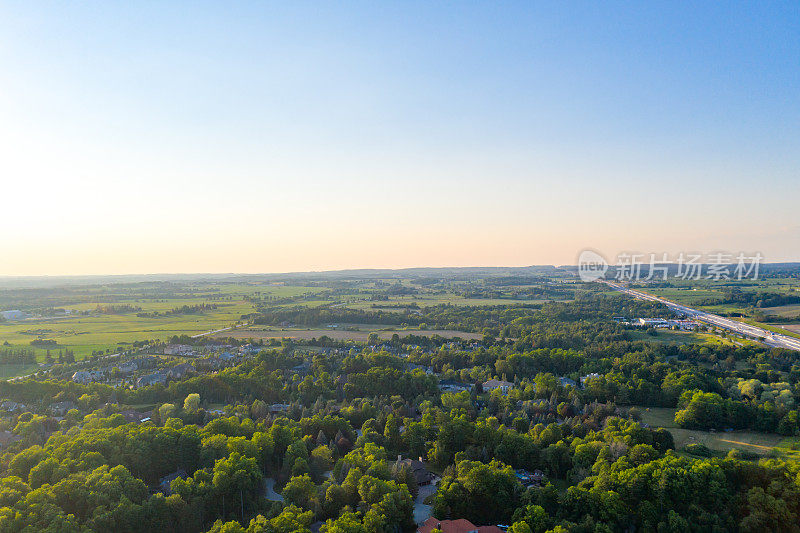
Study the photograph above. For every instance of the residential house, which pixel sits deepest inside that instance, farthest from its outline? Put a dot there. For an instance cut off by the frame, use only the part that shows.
(302, 369)
(131, 415)
(495, 384)
(250, 349)
(460, 525)
(128, 367)
(567, 382)
(531, 479)
(421, 474)
(587, 377)
(152, 379)
(177, 349)
(146, 361)
(180, 371)
(226, 357)
(449, 385)
(11, 407)
(61, 408)
(86, 376)
(164, 482)
(424, 368)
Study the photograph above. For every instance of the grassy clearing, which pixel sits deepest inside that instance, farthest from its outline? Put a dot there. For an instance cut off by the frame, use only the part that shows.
(750, 441)
(668, 336)
(790, 447)
(12, 371)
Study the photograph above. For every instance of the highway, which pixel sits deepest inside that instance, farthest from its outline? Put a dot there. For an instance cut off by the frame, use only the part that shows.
(769, 338)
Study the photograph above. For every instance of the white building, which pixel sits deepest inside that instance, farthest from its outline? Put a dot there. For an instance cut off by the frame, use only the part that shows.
(654, 322)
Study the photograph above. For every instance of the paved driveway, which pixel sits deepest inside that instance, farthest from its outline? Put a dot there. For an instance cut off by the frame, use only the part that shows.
(423, 511)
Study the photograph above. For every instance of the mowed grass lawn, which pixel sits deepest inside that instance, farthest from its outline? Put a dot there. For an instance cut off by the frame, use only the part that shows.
(759, 443)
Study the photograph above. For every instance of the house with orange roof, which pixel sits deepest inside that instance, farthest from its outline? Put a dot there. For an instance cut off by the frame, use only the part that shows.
(460, 525)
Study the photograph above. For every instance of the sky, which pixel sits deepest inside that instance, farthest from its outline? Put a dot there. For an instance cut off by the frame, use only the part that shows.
(154, 137)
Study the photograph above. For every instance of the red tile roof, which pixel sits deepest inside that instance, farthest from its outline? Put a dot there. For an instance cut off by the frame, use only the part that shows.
(455, 526)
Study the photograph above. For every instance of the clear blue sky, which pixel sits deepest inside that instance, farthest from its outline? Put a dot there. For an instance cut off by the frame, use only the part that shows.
(136, 136)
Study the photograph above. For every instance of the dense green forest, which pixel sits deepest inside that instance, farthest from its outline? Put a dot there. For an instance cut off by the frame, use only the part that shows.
(323, 423)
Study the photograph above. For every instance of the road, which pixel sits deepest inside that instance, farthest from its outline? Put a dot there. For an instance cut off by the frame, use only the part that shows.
(215, 331)
(769, 338)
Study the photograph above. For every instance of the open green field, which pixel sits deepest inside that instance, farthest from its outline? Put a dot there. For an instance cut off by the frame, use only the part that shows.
(668, 336)
(702, 293)
(14, 370)
(85, 334)
(782, 311)
(259, 332)
(750, 441)
(688, 296)
(686, 337)
(94, 331)
(443, 299)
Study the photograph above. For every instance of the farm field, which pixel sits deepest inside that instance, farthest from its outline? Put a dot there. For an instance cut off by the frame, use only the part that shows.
(86, 334)
(444, 299)
(340, 334)
(93, 331)
(782, 310)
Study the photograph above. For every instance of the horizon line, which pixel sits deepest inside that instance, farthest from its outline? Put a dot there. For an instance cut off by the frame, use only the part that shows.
(330, 271)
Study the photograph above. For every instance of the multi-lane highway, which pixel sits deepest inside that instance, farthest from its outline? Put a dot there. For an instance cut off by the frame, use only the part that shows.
(767, 337)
